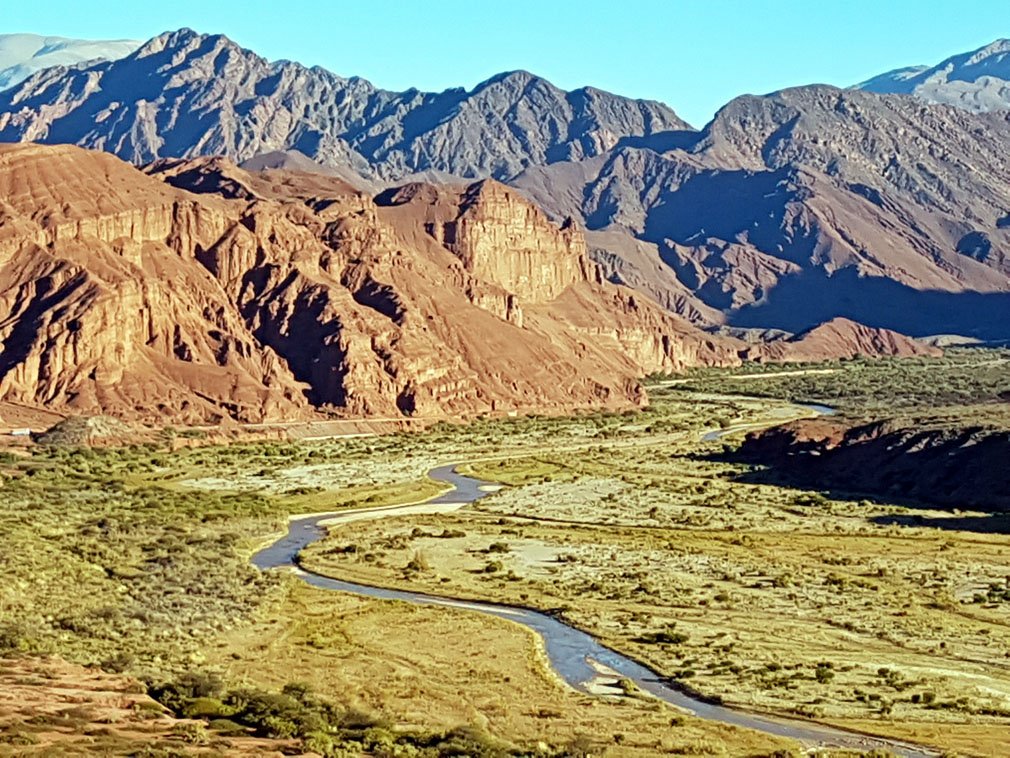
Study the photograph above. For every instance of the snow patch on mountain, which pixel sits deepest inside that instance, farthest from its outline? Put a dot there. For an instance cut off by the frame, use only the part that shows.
(21, 55)
(977, 81)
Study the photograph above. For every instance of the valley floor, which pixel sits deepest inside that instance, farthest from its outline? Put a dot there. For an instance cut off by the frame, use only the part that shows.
(778, 599)
(762, 596)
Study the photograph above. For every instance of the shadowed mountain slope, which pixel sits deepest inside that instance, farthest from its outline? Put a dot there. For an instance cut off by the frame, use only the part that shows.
(809, 204)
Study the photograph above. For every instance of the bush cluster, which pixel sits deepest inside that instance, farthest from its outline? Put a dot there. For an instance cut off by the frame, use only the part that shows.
(322, 727)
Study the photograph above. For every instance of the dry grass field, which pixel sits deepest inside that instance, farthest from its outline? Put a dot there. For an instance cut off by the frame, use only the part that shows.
(762, 596)
(136, 560)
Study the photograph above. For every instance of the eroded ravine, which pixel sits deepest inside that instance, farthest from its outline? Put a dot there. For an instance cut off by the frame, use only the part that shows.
(577, 657)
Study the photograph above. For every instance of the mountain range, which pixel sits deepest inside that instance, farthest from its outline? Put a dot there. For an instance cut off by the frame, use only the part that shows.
(804, 205)
(184, 94)
(343, 247)
(846, 203)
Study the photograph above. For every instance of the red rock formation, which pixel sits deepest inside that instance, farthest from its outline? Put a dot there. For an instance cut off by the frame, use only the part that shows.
(542, 261)
(273, 296)
(100, 309)
(841, 338)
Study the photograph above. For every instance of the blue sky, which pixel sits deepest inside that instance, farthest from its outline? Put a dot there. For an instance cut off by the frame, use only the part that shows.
(693, 55)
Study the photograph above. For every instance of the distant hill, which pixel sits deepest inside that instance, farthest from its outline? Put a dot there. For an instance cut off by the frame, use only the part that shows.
(21, 55)
(978, 80)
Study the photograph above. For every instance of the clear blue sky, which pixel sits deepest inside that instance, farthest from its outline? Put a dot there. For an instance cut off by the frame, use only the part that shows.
(693, 55)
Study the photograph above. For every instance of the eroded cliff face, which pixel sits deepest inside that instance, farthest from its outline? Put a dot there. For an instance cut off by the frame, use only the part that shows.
(99, 308)
(280, 295)
(503, 239)
(528, 271)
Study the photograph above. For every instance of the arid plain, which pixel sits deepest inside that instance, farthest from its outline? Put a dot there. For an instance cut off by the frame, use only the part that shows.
(853, 610)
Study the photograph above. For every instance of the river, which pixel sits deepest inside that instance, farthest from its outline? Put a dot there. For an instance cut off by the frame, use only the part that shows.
(573, 654)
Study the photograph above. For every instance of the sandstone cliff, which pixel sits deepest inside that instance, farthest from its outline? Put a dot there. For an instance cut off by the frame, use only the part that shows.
(279, 295)
(100, 308)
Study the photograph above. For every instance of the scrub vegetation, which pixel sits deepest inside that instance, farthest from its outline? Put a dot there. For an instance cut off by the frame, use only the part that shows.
(965, 380)
(135, 561)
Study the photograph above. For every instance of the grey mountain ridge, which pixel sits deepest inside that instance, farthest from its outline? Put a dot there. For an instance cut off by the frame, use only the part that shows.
(978, 80)
(785, 211)
(183, 94)
(807, 204)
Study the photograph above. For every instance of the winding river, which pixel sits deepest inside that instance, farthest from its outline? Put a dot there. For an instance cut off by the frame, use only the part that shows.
(577, 657)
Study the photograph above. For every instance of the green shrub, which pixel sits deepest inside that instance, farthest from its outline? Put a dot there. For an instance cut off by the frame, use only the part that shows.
(14, 637)
(177, 695)
(225, 726)
(118, 663)
(19, 739)
(192, 733)
(205, 708)
(668, 636)
(823, 674)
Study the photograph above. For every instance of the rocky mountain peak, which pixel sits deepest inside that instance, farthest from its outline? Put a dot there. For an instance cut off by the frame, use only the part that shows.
(997, 49)
(793, 208)
(978, 80)
(186, 58)
(179, 39)
(184, 94)
(516, 78)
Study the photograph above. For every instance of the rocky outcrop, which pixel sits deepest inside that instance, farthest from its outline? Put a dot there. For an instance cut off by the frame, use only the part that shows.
(98, 311)
(281, 295)
(502, 238)
(840, 338)
(953, 465)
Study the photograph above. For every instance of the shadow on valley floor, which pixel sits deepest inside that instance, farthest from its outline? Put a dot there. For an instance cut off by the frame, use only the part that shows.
(941, 515)
(988, 523)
